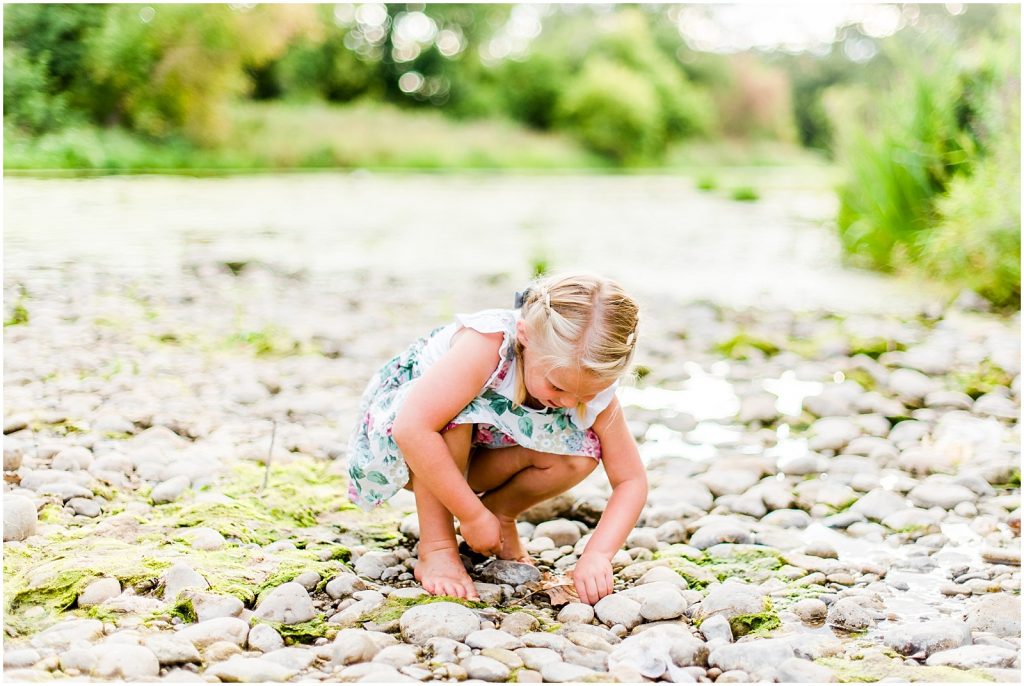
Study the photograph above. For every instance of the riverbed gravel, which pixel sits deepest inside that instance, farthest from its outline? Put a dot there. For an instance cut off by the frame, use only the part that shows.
(833, 496)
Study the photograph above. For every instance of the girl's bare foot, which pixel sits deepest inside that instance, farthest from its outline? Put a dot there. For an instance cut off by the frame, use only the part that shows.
(512, 548)
(440, 571)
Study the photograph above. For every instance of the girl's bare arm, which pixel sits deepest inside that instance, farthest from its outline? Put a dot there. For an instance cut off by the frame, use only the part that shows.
(435, 398)
(628, 478)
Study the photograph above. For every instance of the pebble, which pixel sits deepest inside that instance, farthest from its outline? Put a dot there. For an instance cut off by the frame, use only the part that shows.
(170, 490)
(485, 668)
(849, 615)
(928, 637)
(973, 657)
(581, 613)
(450, 620)
(795, 670)
(19, 518)
(509, 572)
(998, 614)
(124, 662)
(810, 610)
(204, 634)
(99, 591)
(560, 531)
(179, 577)
(519, 623)
(344, 584)
(563, 672)
(250, 669)
(171, 649)
(617, 608)
(289, 603)
(493, 638)
(264, 638)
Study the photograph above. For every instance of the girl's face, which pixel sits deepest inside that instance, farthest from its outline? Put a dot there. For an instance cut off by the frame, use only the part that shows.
(558, 387)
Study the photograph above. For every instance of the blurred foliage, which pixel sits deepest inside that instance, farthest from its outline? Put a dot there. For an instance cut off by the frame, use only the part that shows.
(924, 122)
(933, 166)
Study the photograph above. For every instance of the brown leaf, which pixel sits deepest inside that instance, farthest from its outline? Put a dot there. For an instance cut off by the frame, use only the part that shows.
(560, 589)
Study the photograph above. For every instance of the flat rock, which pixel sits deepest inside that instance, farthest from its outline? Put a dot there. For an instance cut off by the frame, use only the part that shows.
(509, 572)
(617, 608)
(493, 638)
(998, 613)
(250, 669)
(973, 656)
(124, 661)
(99, 591)
(849, 615)
(944, 495)
(751, 657)
(171, 649)
(20, 518)
(797, 671)
(450, 620)
(207, 633)
(289, 603)
(928, 637)
(485, 668)
(560, 531)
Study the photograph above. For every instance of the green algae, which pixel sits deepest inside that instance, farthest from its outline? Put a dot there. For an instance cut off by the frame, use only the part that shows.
(878, 667)
(748, 564)
(302, 632)
(297, 495)
(52, 575)
(757, 624)
(394, 608)
(739, 346)
(981, 379)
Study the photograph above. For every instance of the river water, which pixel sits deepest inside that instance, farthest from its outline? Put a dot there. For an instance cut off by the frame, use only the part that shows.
(657, 234)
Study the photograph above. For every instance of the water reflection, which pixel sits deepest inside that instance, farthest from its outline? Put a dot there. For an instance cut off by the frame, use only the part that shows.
(791, 392)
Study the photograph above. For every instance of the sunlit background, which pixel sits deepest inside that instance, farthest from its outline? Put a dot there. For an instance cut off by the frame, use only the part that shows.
(910, 113)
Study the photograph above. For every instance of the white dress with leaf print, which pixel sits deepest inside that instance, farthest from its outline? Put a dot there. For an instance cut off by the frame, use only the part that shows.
(377, 469)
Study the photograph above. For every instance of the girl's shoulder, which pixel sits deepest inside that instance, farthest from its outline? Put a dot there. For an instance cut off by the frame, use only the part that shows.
(489, 321)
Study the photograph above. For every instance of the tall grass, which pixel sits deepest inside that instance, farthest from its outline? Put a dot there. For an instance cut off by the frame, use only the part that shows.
(932, 180)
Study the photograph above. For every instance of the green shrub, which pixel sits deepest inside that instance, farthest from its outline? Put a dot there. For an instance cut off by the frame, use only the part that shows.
(614, 111)
(976, 242)
(745, 194)
(707, 183)
(898, 163)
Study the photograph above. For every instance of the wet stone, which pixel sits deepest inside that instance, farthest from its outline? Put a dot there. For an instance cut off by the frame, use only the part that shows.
(578, 613)
(973, 657)
(928, 637)
(289, 603)
(509, 572)
(849, 615)
(519, 623)
(450, 620)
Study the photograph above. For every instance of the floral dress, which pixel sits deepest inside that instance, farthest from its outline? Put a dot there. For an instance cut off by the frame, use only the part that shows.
(377, 469)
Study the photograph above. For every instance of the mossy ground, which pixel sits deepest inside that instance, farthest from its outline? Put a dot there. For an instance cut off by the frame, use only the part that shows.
(878, 667)
(394, 608)
(304, 502)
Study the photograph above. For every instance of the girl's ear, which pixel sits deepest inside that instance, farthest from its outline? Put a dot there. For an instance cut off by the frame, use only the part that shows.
(521, 332)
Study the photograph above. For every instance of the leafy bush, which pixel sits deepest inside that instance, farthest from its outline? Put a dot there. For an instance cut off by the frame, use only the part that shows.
(933, 165)
(614, 111)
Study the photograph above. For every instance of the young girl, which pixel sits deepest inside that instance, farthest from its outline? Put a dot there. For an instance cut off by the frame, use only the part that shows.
(501, 410)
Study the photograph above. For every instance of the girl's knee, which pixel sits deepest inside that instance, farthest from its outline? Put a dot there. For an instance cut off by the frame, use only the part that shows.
(579, 465)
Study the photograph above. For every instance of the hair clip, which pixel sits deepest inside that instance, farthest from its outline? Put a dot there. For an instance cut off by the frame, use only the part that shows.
(547, 299)
(521, 297)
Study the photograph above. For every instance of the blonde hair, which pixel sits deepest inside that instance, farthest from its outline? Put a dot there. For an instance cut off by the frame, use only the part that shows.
(578, 321)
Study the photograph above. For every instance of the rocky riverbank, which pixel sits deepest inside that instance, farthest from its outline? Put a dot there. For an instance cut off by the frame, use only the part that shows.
(833, 497)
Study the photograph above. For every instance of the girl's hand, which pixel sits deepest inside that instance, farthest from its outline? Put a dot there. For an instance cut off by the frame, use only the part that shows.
(592, 576)
(482, 533)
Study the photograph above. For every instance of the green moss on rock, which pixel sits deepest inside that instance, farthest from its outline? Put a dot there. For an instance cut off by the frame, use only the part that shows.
(877, 667)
